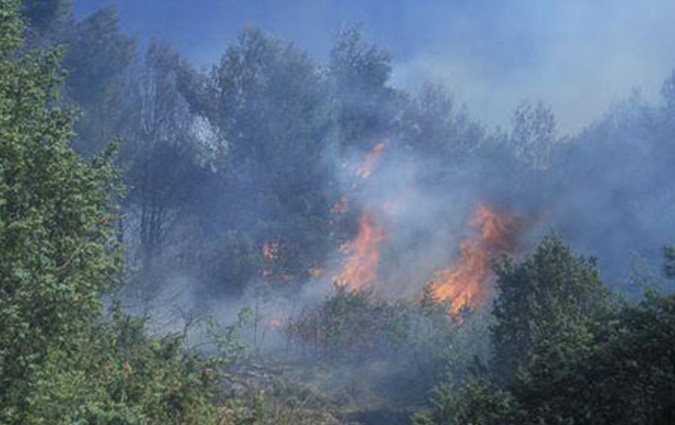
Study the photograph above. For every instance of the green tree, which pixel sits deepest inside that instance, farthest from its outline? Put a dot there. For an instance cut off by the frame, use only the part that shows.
(267, 103)
(58, 251)
(669, 264)
(583, 361)
(45, 18)
(551, 296)
(97, 57)
(164, 156)
(624, 375)
(533, 135)
(365, 106)
(433, 126)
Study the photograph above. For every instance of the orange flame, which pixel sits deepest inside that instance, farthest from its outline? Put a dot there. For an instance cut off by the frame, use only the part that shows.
(360, 270)
(366, 169)
(470, 283)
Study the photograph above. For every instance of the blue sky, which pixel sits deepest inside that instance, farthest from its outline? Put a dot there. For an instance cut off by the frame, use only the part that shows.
(203, 27)
(579, 56)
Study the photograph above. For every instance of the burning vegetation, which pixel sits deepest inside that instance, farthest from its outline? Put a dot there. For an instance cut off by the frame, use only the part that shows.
(470, 283)
(368, 166)
(363, 251)
(233, 173)
(360, 269)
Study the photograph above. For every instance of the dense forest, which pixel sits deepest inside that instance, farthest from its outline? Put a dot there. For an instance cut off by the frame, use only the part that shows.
(281, 240)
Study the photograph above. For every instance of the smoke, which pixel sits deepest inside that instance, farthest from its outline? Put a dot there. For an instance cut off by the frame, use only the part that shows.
(296, 209)
(606, 190)
(577, 56)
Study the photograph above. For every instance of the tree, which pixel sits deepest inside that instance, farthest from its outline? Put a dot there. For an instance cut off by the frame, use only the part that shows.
(669, 264)
(365, 105)
(612, 161)
(582, 360)
(164, 155)
(433, 126)
(268, 105)
(97, 57)
(60, 363)
(624, 375)
(44, 18)
(533, 134)
(552, 296)
(668, 91)
(58, 250)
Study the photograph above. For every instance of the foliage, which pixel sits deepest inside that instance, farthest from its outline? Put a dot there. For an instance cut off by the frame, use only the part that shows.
(533, 134)
(397, 350)
(474, 401)
(266, 104)
(44, 17)
(165, 161)
(97, 55)
(551, 297)
(353, 323)
(669, 264)
(61, 362)
(365, 106)
(58, 250)
(623, 376)
(589, 362)
(432, 125)
(119, 374)
(221, 163)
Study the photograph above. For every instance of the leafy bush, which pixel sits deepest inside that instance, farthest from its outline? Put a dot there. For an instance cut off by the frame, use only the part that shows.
(596, 363)
(61, 361)
(352, 324)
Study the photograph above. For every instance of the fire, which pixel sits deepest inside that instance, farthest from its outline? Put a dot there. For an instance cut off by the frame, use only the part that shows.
(360, 269)
(270, 251)
(368, 165)
(470, 283)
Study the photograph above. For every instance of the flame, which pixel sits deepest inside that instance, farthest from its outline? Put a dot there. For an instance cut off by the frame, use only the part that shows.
(270, 251)
(368, 165)
(360, 269)
(470, 282)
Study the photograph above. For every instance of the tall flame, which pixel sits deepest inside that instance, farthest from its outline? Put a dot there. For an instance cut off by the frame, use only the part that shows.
(368, 165)
(360, 269)
(470, 282)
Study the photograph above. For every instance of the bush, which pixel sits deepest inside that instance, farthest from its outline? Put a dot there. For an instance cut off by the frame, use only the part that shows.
(595, 363)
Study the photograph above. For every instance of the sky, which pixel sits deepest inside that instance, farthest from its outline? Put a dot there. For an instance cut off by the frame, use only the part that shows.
(578, 56)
